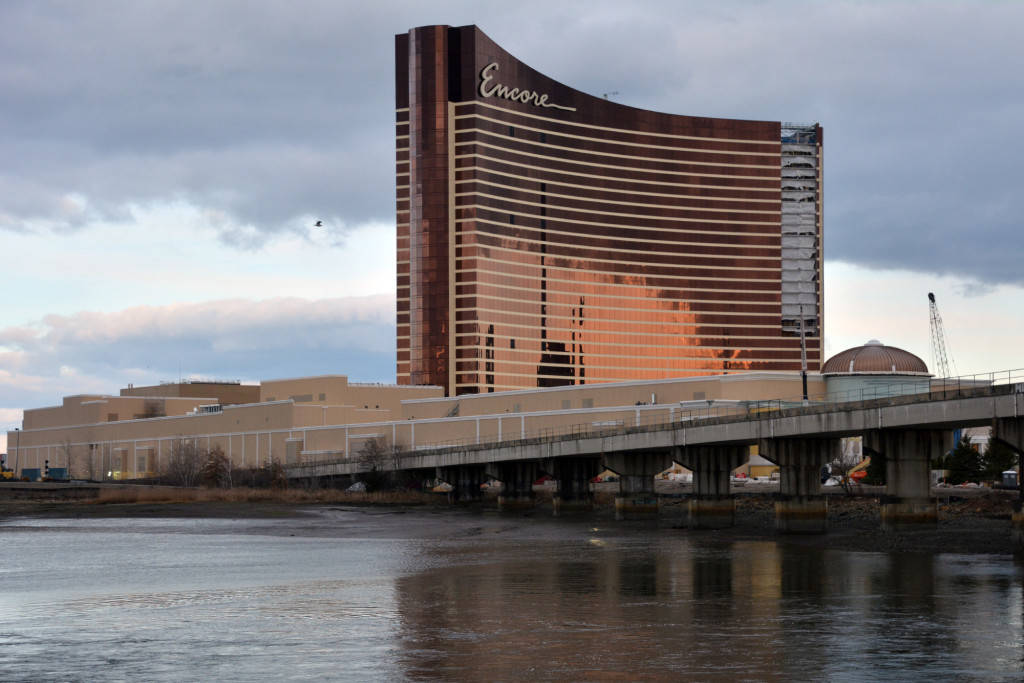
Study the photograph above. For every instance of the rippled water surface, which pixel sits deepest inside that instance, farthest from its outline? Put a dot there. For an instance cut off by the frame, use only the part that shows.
(374, 595)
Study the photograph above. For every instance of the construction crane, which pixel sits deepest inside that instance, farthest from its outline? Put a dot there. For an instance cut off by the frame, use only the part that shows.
(940, 354)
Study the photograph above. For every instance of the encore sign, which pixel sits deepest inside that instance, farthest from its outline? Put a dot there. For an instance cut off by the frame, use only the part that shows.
(514, 94)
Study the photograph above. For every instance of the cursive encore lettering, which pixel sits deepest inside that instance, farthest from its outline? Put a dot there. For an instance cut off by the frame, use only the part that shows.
(514, 94)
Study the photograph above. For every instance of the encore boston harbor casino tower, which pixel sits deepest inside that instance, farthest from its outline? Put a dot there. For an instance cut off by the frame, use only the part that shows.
(547, 237)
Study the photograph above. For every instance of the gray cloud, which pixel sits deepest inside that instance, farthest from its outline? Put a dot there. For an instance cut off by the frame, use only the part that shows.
(99, 352)
(264, 114)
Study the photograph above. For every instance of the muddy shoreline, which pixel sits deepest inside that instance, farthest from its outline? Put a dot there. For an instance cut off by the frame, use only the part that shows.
(974, 524)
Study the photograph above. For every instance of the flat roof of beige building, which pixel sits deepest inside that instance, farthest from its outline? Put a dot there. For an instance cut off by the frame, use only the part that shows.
(326, 417)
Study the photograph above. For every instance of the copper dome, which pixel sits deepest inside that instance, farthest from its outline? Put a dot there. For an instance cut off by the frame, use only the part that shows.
(874, 358)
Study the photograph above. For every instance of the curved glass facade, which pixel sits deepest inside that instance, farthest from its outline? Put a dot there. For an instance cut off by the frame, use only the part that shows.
(547, 237)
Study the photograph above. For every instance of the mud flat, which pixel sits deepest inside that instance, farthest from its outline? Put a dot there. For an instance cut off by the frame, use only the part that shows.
(970, 521)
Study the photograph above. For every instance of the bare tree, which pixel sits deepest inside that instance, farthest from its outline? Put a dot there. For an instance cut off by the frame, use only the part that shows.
(153, 407)
(373, 454)
(376, 455)
(185, 463)
(68, 451)
(216, 468)
(847, 456)
(90, 462)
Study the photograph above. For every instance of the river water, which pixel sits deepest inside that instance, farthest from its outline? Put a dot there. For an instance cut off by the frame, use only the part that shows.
(373, 595)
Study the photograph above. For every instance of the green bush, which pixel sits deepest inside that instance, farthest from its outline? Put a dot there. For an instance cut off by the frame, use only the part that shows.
(997, 459)
(963, 462)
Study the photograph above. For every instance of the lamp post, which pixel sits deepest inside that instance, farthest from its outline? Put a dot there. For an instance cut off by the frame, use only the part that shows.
(803, 352)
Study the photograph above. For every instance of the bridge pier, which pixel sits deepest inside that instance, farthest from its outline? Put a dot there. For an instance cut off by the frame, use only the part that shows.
(712, 505)
(516, 477)
(1010, 432)
(636, 469)
(800, 507)
(908, 453)
(465, 481)
(573, 477)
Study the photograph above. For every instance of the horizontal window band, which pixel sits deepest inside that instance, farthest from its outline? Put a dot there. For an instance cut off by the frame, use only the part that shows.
(620, 167)
(763, 281)
(776, 154)
(633, 228)
(707, 369)
(482, 226)
(592, 306)
(560, 207)
(551, 281)
(537, 117)
(587, 355)
(615, 155)
(597, 314)
(560, 335)
(549, 291)
(604, 316)
(680, 258)
(777, 225)
(594, 320)
(561, 173)
(597, 188)
(478, 224)
(577, 197)
(619, 262)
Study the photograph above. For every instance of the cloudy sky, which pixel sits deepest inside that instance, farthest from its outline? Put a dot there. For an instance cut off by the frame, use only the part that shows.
(163, 163)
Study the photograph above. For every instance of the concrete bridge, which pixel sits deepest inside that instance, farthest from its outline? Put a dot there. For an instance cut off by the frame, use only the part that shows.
(909, 430)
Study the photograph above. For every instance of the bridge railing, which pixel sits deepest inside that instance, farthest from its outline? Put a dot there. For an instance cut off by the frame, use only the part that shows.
(655, 417)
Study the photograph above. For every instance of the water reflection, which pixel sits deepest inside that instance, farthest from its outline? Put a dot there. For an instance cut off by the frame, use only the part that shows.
(393, 599)
(662, 609)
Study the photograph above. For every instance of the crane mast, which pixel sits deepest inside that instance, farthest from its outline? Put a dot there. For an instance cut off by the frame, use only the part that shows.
(940, 354)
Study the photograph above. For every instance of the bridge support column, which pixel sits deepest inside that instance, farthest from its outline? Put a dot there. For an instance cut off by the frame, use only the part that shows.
(800, 507)
(908, 453)
(573, 477)
(516, 479)
(636, 469)
(465, 481)
(1010, 432)
(712, 505)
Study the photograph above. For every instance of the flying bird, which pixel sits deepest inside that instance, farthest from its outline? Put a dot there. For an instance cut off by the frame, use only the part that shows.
(318, 224)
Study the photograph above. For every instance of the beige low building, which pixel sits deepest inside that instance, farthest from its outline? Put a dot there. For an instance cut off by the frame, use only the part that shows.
(327, 417)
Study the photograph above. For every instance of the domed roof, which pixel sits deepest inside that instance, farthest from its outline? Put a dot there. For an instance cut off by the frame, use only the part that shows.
(874, 358)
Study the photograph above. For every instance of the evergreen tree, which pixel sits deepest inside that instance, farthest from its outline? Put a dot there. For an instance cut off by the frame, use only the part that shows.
(964, 463)
(997, 459)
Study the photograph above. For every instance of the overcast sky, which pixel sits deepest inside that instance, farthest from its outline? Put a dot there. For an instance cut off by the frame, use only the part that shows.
(163, 164)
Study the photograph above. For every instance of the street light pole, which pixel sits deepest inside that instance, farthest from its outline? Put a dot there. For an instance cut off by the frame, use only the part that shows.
(803, 352)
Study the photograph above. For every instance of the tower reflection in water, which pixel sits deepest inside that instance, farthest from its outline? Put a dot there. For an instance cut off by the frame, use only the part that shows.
(662, 607)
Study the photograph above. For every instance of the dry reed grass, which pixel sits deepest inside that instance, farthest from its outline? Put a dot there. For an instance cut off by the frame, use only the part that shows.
(170, 495)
